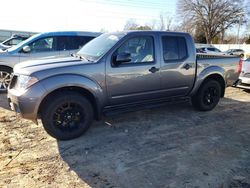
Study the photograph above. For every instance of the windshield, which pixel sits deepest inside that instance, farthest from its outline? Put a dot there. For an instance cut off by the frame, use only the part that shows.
(23, 42)
(13, 41)
(96, 48)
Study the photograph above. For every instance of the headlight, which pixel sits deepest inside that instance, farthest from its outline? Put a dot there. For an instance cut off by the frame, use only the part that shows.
(24, 82)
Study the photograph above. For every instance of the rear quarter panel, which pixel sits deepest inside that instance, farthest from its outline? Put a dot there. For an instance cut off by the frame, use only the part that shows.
(225, 66)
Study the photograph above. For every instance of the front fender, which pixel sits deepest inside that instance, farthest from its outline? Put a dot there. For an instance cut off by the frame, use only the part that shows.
(53, 83)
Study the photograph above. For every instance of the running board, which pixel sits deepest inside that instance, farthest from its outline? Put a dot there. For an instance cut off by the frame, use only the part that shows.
(132, 107)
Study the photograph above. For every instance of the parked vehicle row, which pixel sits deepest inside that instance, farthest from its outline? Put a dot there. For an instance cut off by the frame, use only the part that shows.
(216, 51)
(12, 41)
(42, 45)
(210, 50)
(116, 73)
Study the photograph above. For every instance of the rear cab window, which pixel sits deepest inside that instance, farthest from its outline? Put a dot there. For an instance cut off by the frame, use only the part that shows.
(174, 48)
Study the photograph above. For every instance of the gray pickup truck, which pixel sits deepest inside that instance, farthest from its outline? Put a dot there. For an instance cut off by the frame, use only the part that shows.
(115, 73)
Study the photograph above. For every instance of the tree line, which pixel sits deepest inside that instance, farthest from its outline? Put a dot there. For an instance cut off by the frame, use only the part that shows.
(206, 20)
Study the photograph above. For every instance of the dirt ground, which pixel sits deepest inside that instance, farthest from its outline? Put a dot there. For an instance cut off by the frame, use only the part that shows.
(173, 146)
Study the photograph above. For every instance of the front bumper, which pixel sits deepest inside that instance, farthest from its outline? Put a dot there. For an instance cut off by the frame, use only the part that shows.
(27, 103)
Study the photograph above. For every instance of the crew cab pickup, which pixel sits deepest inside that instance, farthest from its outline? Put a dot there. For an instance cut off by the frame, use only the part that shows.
(118, 72)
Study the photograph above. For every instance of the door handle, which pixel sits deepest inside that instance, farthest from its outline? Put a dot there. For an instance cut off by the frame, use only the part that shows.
(187, 66)
(153, 69)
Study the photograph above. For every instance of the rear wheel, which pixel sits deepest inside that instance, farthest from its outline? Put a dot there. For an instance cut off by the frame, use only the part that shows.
(207, 96)
(67, 115)
(5, 78)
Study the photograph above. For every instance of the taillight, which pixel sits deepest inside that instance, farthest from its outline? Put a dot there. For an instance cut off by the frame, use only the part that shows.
(240, 65)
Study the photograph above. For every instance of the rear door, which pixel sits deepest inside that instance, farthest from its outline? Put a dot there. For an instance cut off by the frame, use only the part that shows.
(138, 79)
(177, 64)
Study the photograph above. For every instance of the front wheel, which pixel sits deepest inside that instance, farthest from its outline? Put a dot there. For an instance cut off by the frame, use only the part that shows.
(67, 115)
(5, 78)
(207, 96)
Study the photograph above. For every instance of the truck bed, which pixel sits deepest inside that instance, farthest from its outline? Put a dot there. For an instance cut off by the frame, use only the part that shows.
(229, 63)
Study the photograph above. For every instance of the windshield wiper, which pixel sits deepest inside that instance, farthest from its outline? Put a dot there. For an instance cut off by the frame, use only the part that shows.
(81, 57)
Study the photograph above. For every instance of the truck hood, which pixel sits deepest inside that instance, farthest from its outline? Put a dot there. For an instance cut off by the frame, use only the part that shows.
(29, 67)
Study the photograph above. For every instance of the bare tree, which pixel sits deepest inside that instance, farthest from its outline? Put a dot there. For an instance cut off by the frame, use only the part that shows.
(162, 23)
(214, 16)
(186, 26)
(153, 24)
(144, 27)
(103, 30)
(130, 24)
(165, 21)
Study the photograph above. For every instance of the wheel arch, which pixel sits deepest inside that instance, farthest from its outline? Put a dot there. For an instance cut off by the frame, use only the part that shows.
(7, 67)
(218, 78)
(83, 91)
(210, 73)
(80, 84)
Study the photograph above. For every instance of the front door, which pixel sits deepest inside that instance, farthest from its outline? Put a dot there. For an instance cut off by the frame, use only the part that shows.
(137, 79)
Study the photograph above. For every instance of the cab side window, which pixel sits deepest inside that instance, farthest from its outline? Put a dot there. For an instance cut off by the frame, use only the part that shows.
(141, 49)
(174, 48)
(43, 45)
(72, 42)
(62, 43)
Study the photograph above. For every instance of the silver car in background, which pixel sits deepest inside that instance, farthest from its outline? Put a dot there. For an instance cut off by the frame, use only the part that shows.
(238, 52)
(12, 41)
(209, 50)
(43, 45)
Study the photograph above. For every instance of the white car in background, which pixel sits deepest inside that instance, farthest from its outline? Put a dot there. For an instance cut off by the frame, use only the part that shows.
(244, 78)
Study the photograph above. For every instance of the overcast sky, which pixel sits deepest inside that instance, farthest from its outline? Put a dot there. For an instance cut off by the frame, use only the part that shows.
(88, 15)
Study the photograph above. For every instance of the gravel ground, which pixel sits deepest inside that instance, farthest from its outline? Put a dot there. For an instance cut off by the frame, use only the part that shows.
(172, 146)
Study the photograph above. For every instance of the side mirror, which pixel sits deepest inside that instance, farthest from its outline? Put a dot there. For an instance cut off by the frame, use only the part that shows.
(26, 49)
(122, 58)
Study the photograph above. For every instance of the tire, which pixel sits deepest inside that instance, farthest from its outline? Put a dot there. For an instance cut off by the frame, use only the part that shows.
(207, 96)
(5, 78)
(67, 115)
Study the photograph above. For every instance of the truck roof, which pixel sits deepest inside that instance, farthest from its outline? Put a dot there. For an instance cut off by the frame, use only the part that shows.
(149, 31)
(71, 33)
